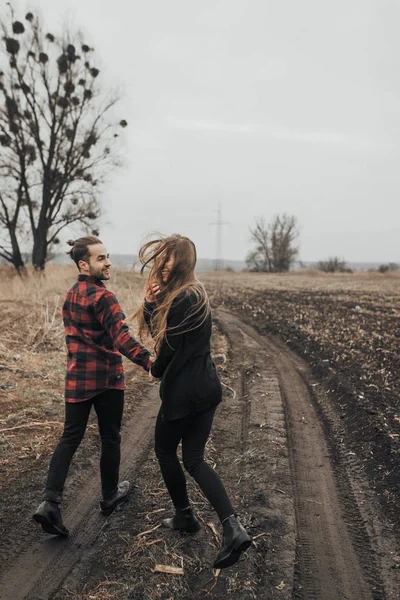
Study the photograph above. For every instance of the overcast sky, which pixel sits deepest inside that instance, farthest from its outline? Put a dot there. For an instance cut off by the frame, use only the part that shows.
(264, 106)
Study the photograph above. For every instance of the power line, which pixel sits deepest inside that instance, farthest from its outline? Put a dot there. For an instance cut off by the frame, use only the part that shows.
(219, 263)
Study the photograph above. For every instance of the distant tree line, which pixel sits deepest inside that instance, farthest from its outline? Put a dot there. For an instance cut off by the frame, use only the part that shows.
(338, 265)
(275, 249)
(388, 267)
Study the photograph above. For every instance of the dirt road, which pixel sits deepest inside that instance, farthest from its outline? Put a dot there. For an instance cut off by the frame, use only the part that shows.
(334, 556)
(276, 444)
(41, 567)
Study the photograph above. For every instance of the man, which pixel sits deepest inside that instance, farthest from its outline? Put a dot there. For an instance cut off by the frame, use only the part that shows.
(95, 335)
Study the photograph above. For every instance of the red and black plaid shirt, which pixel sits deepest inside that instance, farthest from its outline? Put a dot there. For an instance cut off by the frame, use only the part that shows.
(95, 337)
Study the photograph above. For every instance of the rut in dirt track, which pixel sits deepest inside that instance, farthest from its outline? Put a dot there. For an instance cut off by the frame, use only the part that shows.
(334, 559)
(41, 567)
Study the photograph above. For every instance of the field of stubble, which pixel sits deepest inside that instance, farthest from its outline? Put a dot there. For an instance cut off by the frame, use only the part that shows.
(347, 327)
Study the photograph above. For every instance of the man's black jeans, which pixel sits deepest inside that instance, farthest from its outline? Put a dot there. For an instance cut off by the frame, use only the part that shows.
(193, 431)
(109, 407)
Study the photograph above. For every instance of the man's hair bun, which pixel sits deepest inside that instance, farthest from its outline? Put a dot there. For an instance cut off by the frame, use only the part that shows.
(80, 248)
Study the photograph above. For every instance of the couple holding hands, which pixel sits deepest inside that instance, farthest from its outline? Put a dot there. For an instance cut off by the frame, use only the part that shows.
(176, 313)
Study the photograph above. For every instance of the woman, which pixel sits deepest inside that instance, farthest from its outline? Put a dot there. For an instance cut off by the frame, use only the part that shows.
(176, 311)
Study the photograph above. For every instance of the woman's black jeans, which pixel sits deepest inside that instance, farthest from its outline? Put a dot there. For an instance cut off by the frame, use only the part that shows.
(109, 408)
(193, 430)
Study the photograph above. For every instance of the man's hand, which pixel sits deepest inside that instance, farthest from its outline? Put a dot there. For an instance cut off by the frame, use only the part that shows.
(151, 290)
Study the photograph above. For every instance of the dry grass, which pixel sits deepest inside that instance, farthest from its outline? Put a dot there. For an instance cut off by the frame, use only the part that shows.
(31, 307)
(106, 590)
(309, 280)
(32, 360)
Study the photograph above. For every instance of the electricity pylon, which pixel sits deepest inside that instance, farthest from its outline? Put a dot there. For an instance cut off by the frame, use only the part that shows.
(219, 263)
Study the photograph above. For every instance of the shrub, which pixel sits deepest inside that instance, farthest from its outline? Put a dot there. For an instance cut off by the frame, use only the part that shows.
(333, 265)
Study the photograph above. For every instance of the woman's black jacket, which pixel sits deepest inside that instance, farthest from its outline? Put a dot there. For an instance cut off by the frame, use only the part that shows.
(189, 379)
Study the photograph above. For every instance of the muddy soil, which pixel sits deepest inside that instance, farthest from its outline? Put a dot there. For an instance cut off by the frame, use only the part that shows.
(276, 445)
(348, 334)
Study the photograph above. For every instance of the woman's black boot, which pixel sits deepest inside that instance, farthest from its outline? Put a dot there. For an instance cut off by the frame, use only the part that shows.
(235, 540)
(183, 520)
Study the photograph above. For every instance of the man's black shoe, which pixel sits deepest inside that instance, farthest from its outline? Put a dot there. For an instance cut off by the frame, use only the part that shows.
(48, 515)
(183, 521)
(107, 505)
(235, 540)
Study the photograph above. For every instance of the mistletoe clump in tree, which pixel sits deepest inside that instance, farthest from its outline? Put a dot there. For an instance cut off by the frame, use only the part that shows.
(57, 139)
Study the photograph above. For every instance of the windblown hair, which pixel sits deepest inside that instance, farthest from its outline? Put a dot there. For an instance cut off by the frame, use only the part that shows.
(181, 282)
(80, 248)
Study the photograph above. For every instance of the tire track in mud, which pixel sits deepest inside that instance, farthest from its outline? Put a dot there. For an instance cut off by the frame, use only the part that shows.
(250, 428)
(335, 557)
(41, 567)
(245, 411)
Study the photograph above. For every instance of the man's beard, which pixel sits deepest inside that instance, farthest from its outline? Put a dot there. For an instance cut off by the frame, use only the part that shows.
(101, 274)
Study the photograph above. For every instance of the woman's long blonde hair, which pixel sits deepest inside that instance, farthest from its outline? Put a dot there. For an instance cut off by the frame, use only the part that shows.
(181, 281)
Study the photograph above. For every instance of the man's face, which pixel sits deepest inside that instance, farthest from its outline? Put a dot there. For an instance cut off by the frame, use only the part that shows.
(99, 263)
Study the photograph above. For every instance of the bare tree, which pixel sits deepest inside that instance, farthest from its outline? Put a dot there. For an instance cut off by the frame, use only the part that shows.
(10, 209)
(58, 142)
(388, 267)
(275, 250)
(260, 258)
